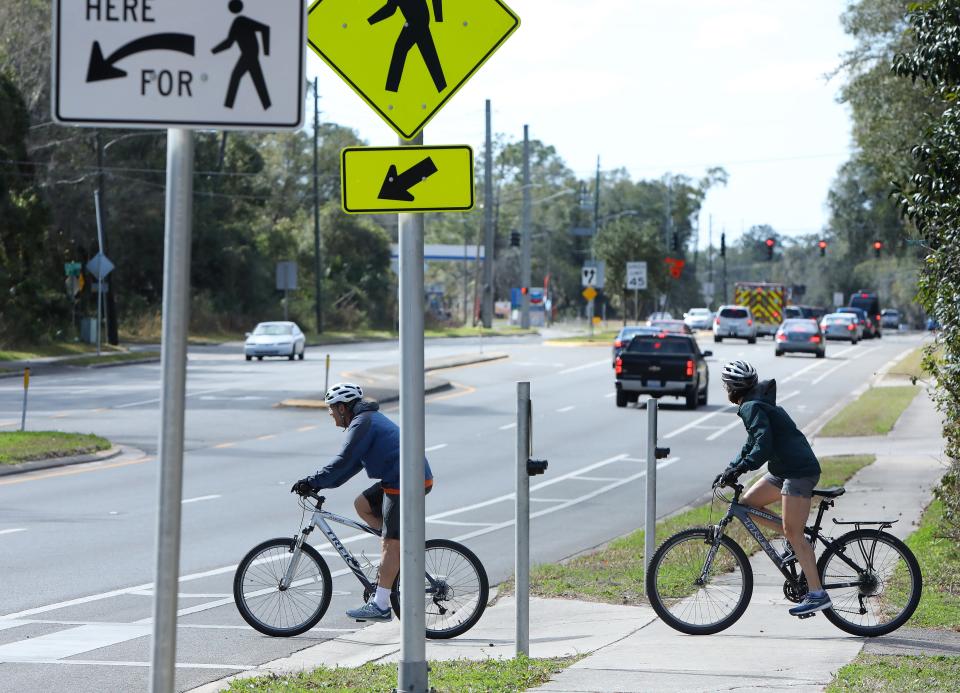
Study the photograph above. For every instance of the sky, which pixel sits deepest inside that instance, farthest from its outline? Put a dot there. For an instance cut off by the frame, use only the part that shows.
(653, 86)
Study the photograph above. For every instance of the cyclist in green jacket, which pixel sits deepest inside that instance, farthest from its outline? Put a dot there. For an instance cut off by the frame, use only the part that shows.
(792, 470)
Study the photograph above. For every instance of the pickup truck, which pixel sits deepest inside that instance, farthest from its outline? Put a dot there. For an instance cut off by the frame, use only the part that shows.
(662, 364)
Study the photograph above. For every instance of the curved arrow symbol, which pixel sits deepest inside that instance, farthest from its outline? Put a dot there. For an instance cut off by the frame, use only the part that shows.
(396, 186)
(103, 68)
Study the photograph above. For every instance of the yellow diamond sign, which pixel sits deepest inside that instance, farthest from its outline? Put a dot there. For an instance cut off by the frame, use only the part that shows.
(406, 179)
(407, 58)
(589, 293)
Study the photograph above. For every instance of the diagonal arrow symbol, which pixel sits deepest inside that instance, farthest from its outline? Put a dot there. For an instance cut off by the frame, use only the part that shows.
(396, 186)
(103, 68)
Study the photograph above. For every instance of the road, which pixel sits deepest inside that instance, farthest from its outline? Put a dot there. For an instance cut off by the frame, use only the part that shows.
(77, 543)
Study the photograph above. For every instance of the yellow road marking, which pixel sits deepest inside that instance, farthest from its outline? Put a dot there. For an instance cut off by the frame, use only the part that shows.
(70, 471)
(266, 437)
(224, 445)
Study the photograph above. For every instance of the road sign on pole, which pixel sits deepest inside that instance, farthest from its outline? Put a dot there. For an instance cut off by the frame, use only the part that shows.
(637, 276)
(100, 266)
(406, 179)
(370, 45)
(179, 63)
(591, 274)
(589, 293)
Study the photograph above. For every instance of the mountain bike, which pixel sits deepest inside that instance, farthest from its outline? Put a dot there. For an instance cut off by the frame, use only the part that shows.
(700, 581)
(283, 586)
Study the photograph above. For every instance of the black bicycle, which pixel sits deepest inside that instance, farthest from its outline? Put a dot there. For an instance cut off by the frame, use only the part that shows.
(700, 581)
(283, 586)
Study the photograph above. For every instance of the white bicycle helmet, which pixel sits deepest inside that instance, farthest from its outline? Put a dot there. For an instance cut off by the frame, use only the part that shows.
(738, 376)
(343, 392)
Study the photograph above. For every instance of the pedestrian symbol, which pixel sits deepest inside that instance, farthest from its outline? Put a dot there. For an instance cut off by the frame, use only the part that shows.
(409, 57)
(243, 32)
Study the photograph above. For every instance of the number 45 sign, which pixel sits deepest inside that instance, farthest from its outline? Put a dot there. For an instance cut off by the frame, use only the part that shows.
(591, 274)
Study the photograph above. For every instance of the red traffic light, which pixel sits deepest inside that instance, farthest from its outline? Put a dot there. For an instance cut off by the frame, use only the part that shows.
(877, 245)
(523, 290)
(822, 245)
(770, 242)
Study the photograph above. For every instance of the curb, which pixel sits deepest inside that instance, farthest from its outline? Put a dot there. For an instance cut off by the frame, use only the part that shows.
(460, 361)
(50, 463)
(320, 404)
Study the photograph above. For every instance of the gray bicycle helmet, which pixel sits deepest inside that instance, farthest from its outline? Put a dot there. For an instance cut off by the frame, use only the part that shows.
(343, 392)
(738, 376)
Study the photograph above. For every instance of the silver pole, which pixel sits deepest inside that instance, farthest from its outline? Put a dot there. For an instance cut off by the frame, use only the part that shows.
(522, 539)
(176, 315)
(525, 234)
(488, 238)
(96, 203)
(326, 377)
(413, 649)
(650, 528)
(26, 389)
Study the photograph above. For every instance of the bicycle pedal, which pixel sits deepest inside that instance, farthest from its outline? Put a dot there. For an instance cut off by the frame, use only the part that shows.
(810, 615)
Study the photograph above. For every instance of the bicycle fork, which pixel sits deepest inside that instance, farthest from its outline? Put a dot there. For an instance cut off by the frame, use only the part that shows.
(291, 570)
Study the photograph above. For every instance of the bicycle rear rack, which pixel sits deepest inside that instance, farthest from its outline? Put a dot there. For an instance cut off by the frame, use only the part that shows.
(857, 523)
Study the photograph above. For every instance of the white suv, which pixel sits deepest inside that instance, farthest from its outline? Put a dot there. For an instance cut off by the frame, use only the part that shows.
(735, 321)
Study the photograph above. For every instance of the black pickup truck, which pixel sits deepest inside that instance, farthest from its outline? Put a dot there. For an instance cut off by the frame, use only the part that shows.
(662, 364)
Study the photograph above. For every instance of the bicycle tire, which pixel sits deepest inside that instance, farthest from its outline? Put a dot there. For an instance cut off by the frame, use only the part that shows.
(662, 602)
(910, 571)
(469, 594)
(256, 600)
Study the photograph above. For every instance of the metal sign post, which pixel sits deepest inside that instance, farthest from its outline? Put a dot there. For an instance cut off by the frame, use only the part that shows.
(26, 387)
(650, 526)
(522, 539)
(413, 648)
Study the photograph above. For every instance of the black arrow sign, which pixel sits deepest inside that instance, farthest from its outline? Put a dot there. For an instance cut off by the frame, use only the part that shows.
(103, 68)
(396, 186)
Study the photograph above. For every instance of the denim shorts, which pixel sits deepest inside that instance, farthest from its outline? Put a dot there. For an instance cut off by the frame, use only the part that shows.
(799, 486)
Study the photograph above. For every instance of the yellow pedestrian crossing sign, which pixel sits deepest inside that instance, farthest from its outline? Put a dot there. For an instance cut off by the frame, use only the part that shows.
(406, 179)
(371, 46)
(589, 293)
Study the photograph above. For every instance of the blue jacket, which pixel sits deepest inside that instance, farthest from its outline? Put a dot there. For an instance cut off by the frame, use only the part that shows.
(372, 443)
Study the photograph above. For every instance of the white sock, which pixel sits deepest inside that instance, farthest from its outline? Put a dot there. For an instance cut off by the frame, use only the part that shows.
(382, 598)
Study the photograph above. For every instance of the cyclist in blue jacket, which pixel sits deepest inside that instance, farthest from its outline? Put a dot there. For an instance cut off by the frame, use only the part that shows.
(372, 444)
(792, 470)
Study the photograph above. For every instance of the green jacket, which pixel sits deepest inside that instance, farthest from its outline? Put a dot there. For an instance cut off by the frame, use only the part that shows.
(772, 436)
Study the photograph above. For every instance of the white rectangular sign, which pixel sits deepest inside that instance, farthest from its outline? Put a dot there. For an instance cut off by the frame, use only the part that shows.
(224, 64)
(637, 276)
(591, 274)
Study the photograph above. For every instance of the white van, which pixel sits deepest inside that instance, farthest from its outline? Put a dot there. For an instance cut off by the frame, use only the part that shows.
(735, 321)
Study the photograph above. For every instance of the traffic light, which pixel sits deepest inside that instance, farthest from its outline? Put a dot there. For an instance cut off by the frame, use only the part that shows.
(514, 239)
(674, 241)
(823, 248)
(723, 245)
(524, 290)
(770, 243)
(877, 247)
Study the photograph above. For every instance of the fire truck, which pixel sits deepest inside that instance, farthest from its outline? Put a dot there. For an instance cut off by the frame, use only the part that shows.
(766, 302)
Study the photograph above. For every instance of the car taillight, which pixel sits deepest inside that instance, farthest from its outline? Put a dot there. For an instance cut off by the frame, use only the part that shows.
(618, 366)
(689, 367)
(781, 337)
(878, 318)
(851, 327)
(815, 339)
(716, 321)
(749, 322)
(617, 344)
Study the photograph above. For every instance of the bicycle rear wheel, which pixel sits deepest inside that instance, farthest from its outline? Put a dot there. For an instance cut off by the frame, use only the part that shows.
(275, 612)
(873, 580)
(688, 603)
(457, 592)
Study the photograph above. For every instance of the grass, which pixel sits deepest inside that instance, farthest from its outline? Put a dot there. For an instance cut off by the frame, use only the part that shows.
(615, 574)
(873, 413)
(886, 674)
(604, 338)
(111, 358)
(17, 446)
(493, 675)
(939, 559)
(912, 367)
(60, 349)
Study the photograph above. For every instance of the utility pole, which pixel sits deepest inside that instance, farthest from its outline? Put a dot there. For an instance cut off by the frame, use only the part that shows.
(710, 250)
(318, 262)
(723, 243)
(113, 336)
(525, 235)
(596, 212)
(487, 312)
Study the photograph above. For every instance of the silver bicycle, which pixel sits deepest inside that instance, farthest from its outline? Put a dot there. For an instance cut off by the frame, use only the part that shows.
(283, 586)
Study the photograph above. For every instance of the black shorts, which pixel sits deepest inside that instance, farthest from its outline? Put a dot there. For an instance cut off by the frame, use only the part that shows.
(386, 506)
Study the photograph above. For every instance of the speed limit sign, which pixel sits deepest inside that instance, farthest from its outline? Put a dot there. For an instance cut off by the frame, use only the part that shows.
(637, 276)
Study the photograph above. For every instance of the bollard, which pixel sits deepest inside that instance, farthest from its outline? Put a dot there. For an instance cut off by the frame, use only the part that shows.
(326, 378)
(26, 388)
(522, 538)
(653, 454)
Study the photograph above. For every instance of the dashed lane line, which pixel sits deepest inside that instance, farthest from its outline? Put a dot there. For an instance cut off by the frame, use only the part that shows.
(13, 531)
(566, 409)
(433, 448)
(592, 364)
(199, 499)
(507, 427)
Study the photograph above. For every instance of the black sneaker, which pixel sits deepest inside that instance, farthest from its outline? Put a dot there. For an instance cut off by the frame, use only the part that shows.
(812, 604)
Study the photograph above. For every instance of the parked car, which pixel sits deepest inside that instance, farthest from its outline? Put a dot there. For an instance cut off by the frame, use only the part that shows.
(626, 334)
(662, 364)
(800, 335)
(734, 321)
(698, 318)
(890, 318)
(841, 326)
(275, 339)
(866, 323)
(678, 326)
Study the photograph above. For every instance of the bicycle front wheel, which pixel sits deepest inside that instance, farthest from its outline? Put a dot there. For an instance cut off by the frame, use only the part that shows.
(873, 580)
(456, 589)
(691, 600)
(290, 611)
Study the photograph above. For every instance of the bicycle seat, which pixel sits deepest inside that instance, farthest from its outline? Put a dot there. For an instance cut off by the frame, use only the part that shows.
(833, 492)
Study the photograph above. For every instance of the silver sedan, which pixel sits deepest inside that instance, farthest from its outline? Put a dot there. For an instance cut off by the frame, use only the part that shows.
(842, 326)
(275, 339)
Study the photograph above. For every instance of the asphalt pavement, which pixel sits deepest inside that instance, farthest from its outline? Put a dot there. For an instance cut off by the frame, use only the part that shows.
(242, 454)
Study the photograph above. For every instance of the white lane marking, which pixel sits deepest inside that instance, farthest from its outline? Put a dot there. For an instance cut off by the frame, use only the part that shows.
(157, 400)
(196, 626)
(829, 372)
(592, 364)
(508, 426)
(609, 395)
(815, 364)
(110, 663)
(201, 498)
(696, 422)
(549, 500)
(13, 531)
(70, 642)
(6, 625)
(595, 478)
(182, 595)
(440, 446)
(565, 409)
(461, 524)
(734, 424)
